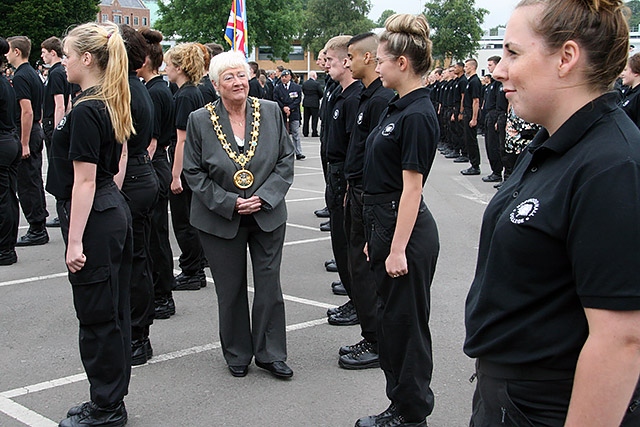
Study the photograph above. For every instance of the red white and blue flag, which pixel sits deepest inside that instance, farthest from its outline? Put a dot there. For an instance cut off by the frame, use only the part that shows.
(236, 32)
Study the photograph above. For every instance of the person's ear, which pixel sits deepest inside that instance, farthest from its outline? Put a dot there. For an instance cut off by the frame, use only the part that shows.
(568, 58)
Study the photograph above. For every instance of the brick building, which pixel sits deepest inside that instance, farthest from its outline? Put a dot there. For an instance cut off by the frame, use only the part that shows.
(130, 12)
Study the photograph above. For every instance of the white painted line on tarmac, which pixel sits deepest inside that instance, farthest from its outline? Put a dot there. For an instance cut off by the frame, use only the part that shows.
(304, 227)
(302, 242)
(476, 195)
(309, 199)
(33, 279)
(24, 415)
(313, 168)
(310, 174)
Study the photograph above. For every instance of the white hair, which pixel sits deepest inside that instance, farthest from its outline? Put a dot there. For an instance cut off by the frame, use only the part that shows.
(225, 61)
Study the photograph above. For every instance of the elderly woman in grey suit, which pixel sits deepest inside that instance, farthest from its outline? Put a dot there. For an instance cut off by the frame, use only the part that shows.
(238, 159)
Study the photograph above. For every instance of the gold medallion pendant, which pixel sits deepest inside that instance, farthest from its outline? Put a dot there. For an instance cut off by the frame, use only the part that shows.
(243, 178)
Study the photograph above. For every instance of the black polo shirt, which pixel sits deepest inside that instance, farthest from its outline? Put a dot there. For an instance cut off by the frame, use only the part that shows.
(163, 111)
(447, 96)
(187, 99)
(457, 89)
(631, 104)
(27, 85)
(491, 95)
(406, 138)
(561, 234)
(207, 90)
(142, 115)
(373, 101)
(85, 134)
(473, 90)
(501, 100)
(341, 122)
(7, 106)
(331, 91)
(56, 85)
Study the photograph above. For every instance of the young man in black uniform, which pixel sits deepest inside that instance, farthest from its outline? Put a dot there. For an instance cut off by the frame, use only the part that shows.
(458, 86)
(29, 94)
(56, 95)
(10, 153)
(341, 121)
(373, 101)
(492, 142)
(471, 110)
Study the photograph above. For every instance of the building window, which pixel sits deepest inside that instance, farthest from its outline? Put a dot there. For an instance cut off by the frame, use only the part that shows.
(135, 21)
(295, 54)
(105, 17)
(126, 20)
(144, 21)
(117, 19)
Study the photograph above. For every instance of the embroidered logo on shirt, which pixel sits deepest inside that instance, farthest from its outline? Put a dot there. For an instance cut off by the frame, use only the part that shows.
(336, 113)
(61, 124)
(360, 118)
(625, 103)
(388, 129)
(524, 211)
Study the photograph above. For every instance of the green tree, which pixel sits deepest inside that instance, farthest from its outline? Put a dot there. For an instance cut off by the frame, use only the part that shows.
(634, 19)
(40, 20)
(383, 17)
(328, 18)
(456, 27)
(269, 22)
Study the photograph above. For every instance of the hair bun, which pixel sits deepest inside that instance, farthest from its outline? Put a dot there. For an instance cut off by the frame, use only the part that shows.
(151, 36)
(409, 24)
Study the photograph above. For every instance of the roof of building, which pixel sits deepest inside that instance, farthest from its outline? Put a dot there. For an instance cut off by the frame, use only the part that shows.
(138, 4)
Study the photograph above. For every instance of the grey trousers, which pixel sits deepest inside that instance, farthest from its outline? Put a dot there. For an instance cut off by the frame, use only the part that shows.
(264, 335)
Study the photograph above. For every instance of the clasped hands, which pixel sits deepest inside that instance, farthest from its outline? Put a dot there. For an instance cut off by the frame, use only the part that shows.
(248, 206)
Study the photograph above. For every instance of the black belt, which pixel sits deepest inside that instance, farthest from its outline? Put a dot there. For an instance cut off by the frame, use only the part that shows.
(377, 199)
(139, 160)
(335, 167)
(526, 372)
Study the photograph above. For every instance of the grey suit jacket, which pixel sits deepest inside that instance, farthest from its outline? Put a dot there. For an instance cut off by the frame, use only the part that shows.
(209, 170)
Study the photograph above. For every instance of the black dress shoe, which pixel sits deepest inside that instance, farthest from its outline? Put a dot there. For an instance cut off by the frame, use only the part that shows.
(139, 352)
(376, 420)
(451, 155)
(347, 317)
(300, 157)
(277, 368)
(89, 414)
(55, 222)
(322, 213)
(8, 257)
(238, 370)
(461, 159)
(470, 171)
(364, 357)
(339, 289)
(190, 282)
(335, 310)
(492, 178)
(164, 308)
(331, 267)
(325, 226)
(34, 238)
(346, 349)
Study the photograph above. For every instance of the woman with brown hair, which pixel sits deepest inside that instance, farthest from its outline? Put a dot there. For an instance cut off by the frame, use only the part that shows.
(553, 313)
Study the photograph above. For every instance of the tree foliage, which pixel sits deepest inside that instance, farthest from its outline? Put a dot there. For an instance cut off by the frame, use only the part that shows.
(634, 19)
(383, 17)
(273, 23)
(456, 27)
(325, 19)
(40, 20)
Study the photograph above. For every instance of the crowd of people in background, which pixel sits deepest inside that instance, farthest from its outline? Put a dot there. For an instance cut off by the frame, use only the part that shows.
(214, 138)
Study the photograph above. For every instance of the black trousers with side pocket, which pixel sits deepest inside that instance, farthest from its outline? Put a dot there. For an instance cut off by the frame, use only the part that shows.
(101, 294)
(404, 306)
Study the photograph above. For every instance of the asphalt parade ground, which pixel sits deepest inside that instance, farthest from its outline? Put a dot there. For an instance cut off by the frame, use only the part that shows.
(187, 383)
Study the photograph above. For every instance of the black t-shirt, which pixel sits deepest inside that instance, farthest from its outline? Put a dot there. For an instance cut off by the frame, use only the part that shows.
(56, 84)
(85, 134)
(7, 106)
(472, 91)
(560, 235)
(341, 122)
(457, 89)
(163, 111)
(27, 85)
(631, 104)
(206, 88)
(406, 138)
(188, 99)
(373, 101)
(142, 114)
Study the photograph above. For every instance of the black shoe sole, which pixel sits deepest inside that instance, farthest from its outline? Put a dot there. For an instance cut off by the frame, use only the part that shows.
(368, 365)
(274, 373)
(346, 323)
